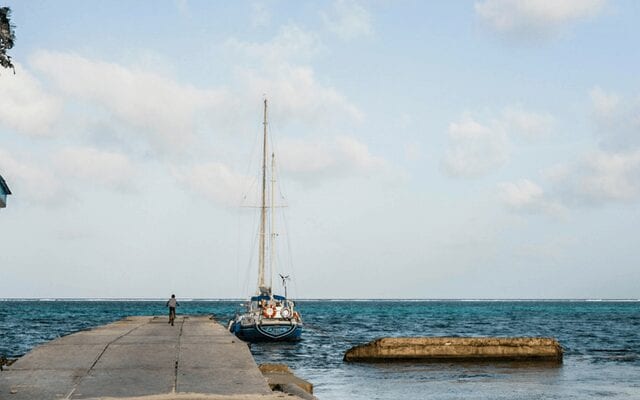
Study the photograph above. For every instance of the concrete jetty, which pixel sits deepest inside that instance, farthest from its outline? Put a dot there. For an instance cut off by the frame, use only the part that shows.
(280, 377)
(140, 358)
(458, 349)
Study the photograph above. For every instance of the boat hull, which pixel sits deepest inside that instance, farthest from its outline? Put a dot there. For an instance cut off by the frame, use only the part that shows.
(267, 332)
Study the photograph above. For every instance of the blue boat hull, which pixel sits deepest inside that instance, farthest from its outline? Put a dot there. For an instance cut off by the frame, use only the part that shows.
(267, 333)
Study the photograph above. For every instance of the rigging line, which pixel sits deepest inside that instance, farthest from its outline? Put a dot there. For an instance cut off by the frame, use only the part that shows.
(275, 146)
(289, 252)
(285, 263)
(261, 207)
(288, 261)
(239, 243)
(273, 257)
(273, 132)
(247, 197)
(254, 148)
(279, 258)
(238, 240)
(251, 252)
(272, 129)
(285, 222)
(243, 284)
(251, 260)
(253, 156)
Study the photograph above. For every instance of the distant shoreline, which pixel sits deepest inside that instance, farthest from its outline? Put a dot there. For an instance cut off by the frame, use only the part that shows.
(187, 299)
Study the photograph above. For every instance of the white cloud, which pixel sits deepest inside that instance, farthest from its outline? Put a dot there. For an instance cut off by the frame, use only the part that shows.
(349, 20)
(302, 160)
(29, 181)
(182, 6)
(342, 156)
(260, 15)
(597, 179)
(215, 181)
(25, 106)
(279, 69)
(541, 18)
(143, 108)
(601, 177)
(617, 119)
(413, 151)
(520, 194)
(290, 44)
(53, 180)
(526, 196)
(297, 95)
(475, 149)
(606, 176)
(358, 155)
(611, 174)
(339, 157)
(530, 125)
(111, 169)
(156, 106)
(604, 103)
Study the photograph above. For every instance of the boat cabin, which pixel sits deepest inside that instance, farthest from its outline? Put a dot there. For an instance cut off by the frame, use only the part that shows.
(258, 302)
(4, 192)
(273, 306)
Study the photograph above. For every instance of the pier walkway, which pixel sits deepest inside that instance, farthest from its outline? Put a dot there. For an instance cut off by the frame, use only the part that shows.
(139, 357)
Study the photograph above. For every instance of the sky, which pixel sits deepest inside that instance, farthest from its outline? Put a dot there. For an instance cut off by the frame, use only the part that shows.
(469, 149)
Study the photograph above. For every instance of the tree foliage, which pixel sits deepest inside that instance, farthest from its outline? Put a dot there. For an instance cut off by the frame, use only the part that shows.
(7, 37)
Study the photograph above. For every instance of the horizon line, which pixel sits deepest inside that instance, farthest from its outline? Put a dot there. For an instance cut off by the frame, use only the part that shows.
(187, 298)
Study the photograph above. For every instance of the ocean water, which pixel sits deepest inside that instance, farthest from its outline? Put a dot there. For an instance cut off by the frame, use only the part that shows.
(601, 342)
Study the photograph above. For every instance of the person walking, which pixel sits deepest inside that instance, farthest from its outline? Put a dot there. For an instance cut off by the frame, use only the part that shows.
(172, 304)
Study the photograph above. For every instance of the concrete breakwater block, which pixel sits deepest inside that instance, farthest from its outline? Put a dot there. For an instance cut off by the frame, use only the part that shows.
(457, 349)
(280, 378)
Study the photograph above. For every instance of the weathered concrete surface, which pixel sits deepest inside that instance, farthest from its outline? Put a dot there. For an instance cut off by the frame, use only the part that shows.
(280, 377)
(457, 348)
(139, 357)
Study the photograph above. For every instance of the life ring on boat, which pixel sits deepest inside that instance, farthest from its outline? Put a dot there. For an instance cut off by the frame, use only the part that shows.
(269, 311)
(285, 313)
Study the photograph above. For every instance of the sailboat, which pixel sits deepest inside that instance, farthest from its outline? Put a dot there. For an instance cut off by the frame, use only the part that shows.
(267, 317)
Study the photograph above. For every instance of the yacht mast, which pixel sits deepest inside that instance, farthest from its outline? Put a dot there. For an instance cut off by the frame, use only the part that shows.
(272, 237)
(263, 208)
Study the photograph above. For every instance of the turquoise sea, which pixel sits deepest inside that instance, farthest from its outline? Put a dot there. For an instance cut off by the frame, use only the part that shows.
(601, 341)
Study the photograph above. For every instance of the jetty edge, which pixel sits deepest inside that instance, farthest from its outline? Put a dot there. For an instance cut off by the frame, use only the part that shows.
(141, 358)
(457, 349)
(280, 378)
